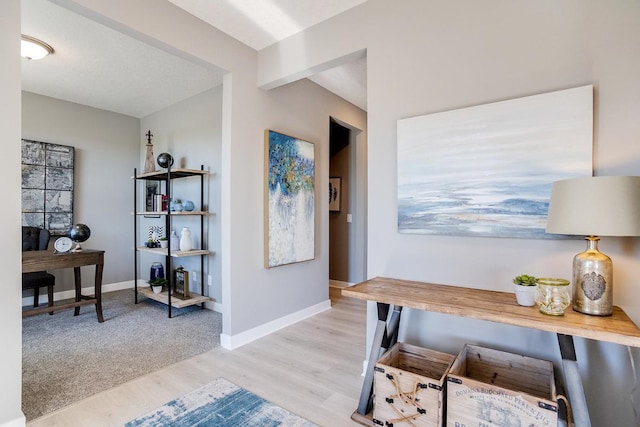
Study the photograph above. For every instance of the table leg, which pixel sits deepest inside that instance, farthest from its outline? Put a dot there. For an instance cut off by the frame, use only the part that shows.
(385, 336)
(50, 297)
(78, 283)
(98, 291)
(573, 381)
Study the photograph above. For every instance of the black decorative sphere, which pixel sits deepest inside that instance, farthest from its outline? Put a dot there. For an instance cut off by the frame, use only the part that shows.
(165, 160)
(79, 233)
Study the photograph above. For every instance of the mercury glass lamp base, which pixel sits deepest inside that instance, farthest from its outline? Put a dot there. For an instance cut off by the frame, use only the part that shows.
(593, 281)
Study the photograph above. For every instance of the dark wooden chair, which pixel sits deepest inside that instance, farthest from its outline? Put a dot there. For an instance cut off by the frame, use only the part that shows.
(37, 239)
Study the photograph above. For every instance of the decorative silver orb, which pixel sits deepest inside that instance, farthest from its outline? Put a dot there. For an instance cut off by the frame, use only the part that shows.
(165, 160)
(78, 233)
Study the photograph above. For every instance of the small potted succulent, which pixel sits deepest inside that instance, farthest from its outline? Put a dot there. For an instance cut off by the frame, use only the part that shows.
(525, 287)
(157, 284)
(164, 242)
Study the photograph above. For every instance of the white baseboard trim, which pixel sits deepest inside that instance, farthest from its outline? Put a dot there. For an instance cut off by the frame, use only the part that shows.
(88, 290)
(16, 422)
(213, 306)
(231, 342)
(340, 284)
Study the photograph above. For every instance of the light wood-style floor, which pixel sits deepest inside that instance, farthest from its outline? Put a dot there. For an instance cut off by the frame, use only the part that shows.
(312, 368)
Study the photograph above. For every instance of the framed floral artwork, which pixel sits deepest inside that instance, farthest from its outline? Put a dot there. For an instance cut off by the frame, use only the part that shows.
(289, 199)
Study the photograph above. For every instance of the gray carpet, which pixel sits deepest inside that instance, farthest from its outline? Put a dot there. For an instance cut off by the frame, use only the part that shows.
(67, 358)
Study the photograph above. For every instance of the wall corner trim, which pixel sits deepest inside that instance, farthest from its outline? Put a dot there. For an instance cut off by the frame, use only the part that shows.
(21, 421)
(232, 342)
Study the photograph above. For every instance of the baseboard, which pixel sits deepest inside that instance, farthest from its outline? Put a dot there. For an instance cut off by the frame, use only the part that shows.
(57, 296)
(71, 293)
(339, 284)
(213, 306)
(16, 422)
(231, 342)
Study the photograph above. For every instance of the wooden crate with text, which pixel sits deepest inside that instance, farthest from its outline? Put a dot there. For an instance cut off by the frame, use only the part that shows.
(409, 384)
(489, 387)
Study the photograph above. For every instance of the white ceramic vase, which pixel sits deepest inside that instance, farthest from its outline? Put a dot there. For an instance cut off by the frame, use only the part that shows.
(185, 239)
(525, 295)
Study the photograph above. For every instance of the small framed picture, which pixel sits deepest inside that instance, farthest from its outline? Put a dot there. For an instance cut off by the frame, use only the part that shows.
(181, 283)
(152, 188)
(334, 194)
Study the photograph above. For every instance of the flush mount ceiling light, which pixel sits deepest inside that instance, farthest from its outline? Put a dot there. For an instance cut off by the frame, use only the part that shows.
(32, 48)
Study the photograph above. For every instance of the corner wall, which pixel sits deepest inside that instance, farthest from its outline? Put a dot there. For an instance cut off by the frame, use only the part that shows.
(106, 151)
(10, 253)
(442, 55)
(252, 295)
(191, 131)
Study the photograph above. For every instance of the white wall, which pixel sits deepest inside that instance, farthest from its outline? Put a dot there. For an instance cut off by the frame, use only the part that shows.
(10, 253)
(106, 149)
(191, 131)
(252, 295)
(301, 109)
(442, 55)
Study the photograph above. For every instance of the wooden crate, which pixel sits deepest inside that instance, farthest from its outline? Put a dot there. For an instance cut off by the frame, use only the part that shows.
(487, 387)
(409, 384)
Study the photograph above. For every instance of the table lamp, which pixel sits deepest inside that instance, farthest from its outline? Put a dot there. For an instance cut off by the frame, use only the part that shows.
(594, 206)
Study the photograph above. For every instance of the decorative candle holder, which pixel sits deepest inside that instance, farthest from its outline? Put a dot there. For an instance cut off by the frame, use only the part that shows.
(553, 296)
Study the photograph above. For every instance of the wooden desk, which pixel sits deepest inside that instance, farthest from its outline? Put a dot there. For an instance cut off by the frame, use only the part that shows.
(500, 307)
(48, 260)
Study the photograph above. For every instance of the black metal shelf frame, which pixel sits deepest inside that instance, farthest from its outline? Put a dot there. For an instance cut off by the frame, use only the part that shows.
(167, 177)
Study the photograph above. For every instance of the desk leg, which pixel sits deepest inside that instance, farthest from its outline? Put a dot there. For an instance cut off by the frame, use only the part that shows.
(78, 282)
(385, 336)
(573, 381)
(98, 291)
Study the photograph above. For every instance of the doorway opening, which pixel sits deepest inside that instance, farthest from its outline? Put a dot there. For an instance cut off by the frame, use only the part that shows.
(347, 214)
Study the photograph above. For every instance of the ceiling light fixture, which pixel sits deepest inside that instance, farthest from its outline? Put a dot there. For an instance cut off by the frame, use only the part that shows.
(32, 48)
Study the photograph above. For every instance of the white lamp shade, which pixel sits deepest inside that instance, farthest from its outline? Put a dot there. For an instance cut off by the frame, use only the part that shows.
(595, 206)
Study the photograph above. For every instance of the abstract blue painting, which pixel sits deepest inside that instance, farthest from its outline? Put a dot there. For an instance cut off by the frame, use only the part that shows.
(289, 200)
(487, 170)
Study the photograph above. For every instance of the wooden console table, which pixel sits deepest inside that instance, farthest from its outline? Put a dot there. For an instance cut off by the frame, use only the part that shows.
(48, 260)
(500, 307)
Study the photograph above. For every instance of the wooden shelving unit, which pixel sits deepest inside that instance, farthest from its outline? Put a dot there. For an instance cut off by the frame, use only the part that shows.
(167, 297)
(174, 254)
(163, 297)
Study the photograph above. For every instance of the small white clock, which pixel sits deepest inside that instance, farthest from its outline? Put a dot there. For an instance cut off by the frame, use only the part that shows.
(63, 244)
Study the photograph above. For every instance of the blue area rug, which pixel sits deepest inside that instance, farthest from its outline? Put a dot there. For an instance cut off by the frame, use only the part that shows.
(220, 403)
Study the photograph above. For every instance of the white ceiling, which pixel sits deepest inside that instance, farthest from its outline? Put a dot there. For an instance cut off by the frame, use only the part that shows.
(130, 77)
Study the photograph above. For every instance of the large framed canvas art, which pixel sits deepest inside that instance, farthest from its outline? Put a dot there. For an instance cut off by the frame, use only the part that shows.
(289, 199)
(487, 170)
(47, 186)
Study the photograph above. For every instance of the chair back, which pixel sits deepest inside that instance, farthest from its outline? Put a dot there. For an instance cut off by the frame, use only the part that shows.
(35, 238)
